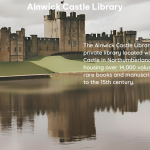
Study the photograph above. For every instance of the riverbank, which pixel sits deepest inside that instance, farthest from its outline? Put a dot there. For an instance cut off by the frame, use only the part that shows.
(77, 74)
(21, 77)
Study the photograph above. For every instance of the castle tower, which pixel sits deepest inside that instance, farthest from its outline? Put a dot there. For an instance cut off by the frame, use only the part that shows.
(124, 37)
(129, 37)
(4, 44)
(12, 45)
(70, 30)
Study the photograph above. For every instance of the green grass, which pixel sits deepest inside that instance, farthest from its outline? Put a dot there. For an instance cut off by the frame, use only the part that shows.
(49, 64)
(60, 64)
(21, 68)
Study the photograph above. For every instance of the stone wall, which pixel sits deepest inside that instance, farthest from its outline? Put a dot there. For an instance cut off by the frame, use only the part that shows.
(70, 30)
(12, 45)
(4, 44)
(41, 46)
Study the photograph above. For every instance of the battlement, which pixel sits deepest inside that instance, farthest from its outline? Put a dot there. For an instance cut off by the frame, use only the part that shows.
(61, 15)
(78, 17)
(130, 32)
(51, 15)
(73, 15)
(140, 39)
(121, 32)
(98, 36)
(21, 32)
(40, 39)
(6, 29)
(47, 17)
(45, 40)
(81, 17)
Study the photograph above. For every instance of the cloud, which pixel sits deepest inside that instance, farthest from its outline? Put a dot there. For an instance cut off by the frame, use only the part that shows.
(134, 16)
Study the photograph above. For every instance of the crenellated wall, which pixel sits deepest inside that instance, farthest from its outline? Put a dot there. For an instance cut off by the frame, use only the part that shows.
(41, 46)
(99, 42)
(48, 46)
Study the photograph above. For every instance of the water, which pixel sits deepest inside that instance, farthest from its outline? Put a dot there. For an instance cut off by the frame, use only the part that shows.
(62, 113)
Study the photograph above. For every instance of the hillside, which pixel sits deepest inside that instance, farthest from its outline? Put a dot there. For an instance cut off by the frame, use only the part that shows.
(49, 64)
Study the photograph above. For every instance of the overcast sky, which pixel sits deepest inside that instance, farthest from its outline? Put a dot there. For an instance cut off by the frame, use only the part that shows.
(134, 16)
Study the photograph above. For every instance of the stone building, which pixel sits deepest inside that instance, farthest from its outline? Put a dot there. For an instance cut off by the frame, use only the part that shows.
(12, 45)
(65, 35)
(70, 30)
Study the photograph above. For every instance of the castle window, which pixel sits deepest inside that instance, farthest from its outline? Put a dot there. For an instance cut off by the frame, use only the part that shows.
(72, 34)
(73, 43)
(40, 48)
(8, 48)
(19, 49)
(15, 49)
(47, 47)
(53, 48)
(69, 42)
(129, 41)
(0, 49)
(28, 48)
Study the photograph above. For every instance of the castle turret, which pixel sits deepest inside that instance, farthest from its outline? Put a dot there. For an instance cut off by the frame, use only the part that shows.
(61, 15)
(73, 15)
(52, 13)
(114, 32)
(69, 29)
(9, 29)
(34, 45)
(81, 17)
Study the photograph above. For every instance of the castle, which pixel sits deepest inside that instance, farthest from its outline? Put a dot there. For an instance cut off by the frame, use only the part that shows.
(63, 35)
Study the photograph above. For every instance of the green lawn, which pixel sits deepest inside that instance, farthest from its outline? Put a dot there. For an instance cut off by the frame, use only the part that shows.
(49, 64)
(21, 68)
(60, 64)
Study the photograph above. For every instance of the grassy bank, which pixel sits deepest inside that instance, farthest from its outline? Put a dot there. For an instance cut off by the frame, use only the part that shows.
(49, 64)
(21, 68)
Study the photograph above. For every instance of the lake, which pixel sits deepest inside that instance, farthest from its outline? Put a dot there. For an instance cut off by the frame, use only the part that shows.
(63, 113)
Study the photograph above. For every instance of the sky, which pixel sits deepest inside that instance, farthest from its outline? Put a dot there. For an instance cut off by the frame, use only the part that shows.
(133, 16)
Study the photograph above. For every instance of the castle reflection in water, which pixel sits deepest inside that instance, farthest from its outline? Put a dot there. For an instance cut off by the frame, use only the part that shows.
(68, 104)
